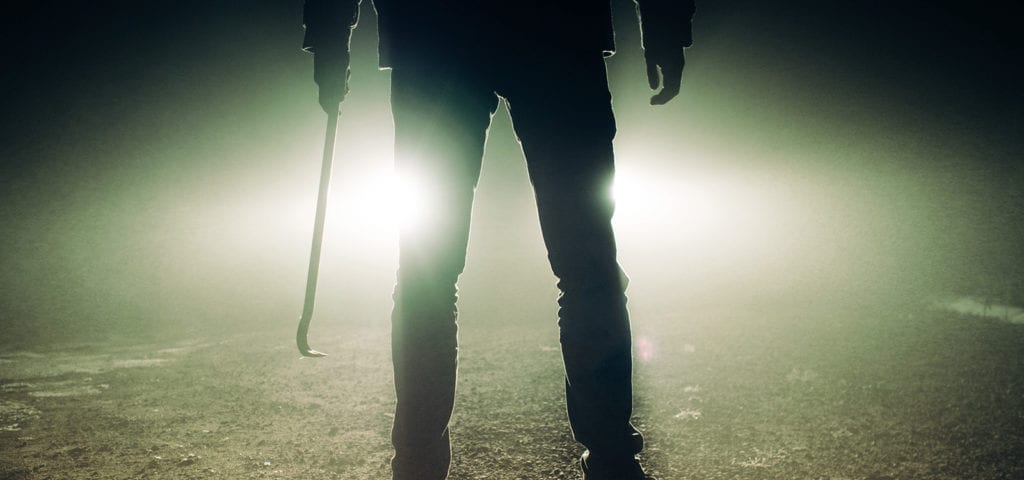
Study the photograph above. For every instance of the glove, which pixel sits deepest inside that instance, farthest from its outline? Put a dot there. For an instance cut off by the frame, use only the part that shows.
(664, 69)
(666, 27)
(331, 73)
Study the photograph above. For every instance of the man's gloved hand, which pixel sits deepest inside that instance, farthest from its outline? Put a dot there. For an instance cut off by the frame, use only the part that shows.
(331, 73)
(664, 69)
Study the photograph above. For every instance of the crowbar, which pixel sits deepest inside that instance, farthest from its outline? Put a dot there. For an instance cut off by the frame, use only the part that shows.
(301, 337)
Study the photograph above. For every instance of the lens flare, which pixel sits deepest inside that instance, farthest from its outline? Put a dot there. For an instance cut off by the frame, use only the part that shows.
(383, 201)
(645, 201)
(645, 349)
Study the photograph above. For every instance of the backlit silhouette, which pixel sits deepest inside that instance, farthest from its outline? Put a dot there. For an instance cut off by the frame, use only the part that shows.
(451, 61)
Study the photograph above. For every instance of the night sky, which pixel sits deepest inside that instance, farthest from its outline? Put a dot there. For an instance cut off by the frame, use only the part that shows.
(147, 147)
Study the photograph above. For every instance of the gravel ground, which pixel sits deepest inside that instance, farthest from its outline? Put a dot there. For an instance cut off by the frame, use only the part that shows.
(855, 393)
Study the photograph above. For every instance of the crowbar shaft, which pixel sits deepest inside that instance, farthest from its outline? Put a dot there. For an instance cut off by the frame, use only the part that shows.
(301, 337)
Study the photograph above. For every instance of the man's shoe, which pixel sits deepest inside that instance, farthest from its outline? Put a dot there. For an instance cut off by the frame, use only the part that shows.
(595, 469)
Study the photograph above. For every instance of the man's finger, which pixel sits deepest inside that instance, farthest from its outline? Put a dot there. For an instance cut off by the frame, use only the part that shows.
(672, 79)
(664, 96)
(330, 107)
(670, 88)
(330, 98)
(653, 77)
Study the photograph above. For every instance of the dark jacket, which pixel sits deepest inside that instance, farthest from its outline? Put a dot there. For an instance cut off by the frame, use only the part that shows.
(412, 28)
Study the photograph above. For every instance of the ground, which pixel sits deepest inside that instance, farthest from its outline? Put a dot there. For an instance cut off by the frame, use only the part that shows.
(722, 393)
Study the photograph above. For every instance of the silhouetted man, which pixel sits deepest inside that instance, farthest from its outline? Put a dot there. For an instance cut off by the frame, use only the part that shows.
(450, 61)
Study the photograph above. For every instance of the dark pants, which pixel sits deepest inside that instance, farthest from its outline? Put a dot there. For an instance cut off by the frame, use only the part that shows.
(562, 114)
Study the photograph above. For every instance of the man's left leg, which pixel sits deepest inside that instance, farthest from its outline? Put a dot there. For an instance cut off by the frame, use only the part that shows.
(562, 115)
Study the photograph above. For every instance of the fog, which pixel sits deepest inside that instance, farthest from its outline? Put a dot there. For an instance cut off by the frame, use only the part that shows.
(822, 234)
(159, 179)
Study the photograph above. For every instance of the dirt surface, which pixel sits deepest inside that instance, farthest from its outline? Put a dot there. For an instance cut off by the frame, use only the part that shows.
(729, 394)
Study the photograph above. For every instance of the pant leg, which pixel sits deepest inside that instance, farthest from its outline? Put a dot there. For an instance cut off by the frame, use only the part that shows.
(441, 118)
(562, 115)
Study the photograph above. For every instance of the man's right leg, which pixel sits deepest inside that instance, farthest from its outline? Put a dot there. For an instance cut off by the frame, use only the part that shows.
(441, 116)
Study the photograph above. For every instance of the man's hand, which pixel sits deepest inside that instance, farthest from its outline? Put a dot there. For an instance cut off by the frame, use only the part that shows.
(664, 69)
(331, 73)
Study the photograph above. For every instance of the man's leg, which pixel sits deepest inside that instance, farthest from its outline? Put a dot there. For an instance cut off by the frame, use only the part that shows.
(441, 117)
(562, 115)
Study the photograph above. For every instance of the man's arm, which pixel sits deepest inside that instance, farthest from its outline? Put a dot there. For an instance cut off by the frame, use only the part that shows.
(329, 26)
(666, 29)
